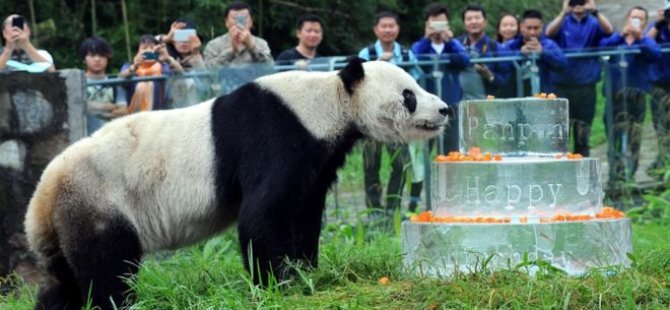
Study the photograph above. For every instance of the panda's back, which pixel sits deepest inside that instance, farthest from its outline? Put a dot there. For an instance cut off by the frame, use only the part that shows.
(155, 168)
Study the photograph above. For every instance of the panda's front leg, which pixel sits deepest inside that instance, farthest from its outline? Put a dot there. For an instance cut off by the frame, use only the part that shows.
(266, 233)
(308, 228)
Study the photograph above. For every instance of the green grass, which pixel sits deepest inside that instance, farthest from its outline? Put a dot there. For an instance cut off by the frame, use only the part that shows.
(211, 276)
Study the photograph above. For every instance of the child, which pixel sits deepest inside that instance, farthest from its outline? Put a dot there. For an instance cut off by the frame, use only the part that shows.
(152, 59)
(104, 102)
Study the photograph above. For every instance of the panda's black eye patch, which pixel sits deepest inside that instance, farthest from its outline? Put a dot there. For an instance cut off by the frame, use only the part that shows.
(409, 100)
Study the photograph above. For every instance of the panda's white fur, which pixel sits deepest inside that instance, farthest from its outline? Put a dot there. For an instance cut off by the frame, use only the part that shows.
(139, 152)
(372, 109)
(152, 177)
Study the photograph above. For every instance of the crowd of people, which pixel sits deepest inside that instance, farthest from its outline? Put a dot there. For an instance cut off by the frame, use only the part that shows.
(579, 26)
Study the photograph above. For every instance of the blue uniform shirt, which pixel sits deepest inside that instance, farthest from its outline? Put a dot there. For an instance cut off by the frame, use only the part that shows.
(663, 38)
(575, 36)
(551, 59)
(414, 70)
(458, 60)
(641, 69)
(486, 48)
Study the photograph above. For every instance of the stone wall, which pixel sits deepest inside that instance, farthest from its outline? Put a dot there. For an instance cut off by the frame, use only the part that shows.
(40, 115)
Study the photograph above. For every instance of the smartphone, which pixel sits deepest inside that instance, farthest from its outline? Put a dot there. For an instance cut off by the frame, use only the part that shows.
(17, 21)
(636, 22)
(241, 20)
(439, 25)
(150, 55)
(183, 35)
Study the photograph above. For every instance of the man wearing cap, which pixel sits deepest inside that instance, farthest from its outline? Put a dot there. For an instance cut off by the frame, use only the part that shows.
(18, 46)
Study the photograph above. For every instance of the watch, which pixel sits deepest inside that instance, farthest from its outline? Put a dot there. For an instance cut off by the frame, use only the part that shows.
(493, 77)
(594, 13)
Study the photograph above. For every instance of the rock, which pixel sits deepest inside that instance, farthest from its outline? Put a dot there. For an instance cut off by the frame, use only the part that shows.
(40, 115)
(12, 155)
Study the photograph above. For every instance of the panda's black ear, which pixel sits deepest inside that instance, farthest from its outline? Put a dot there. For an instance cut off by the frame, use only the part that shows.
(352, 74)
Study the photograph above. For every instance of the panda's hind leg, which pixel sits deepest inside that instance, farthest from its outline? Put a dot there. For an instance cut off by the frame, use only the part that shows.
(103, 250)
(60, 291)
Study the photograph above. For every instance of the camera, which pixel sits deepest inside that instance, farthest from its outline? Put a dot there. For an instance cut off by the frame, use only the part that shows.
(18, 22)
(636, 22)
(576, 2)
(439, 26)
(183, 35)
(241, 20)
(150, 55)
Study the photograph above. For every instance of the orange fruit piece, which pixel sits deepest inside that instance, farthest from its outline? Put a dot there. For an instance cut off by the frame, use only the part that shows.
(441, 158)
(384, 281)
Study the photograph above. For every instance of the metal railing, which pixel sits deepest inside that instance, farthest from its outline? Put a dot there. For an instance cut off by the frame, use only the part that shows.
(526, 68)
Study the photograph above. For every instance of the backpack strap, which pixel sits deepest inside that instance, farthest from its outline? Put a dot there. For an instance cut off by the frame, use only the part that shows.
(405, 53)
(372, 52)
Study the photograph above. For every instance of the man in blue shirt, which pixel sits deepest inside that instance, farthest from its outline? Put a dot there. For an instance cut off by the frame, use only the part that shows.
(438, 43)
(628, 98)
(479, 80)
(531, 42)
(386, 49)
(579, 26)
(660, 92)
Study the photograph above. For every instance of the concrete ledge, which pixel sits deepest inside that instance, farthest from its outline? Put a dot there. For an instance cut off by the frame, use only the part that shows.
(442, 249)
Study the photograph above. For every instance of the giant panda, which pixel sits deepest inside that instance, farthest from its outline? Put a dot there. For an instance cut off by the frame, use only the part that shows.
(263, 156)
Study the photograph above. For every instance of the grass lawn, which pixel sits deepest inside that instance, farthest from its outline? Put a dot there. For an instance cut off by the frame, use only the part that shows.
(211, 276)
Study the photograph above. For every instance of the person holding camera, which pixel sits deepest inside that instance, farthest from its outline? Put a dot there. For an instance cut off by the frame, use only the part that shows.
(183, 44)
(152, 59)
(624, 117)
(18, 47)
(660, 93)
(579, 26)
(238, 45)
(438, 43)
(549, 56)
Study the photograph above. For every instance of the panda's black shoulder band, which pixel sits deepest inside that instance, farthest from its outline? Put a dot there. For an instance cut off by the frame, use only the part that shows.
(352, 74)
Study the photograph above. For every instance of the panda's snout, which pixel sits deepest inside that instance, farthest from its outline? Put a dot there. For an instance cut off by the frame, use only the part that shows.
(447, 111)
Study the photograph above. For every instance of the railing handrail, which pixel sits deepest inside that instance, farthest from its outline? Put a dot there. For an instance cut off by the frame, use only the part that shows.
(338, 62)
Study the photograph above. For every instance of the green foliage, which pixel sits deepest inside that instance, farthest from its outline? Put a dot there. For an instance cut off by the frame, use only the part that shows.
(63, 24)
(657, 209)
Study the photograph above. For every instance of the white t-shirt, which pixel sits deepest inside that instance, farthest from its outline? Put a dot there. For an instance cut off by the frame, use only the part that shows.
(46, 56)
(438, 47)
